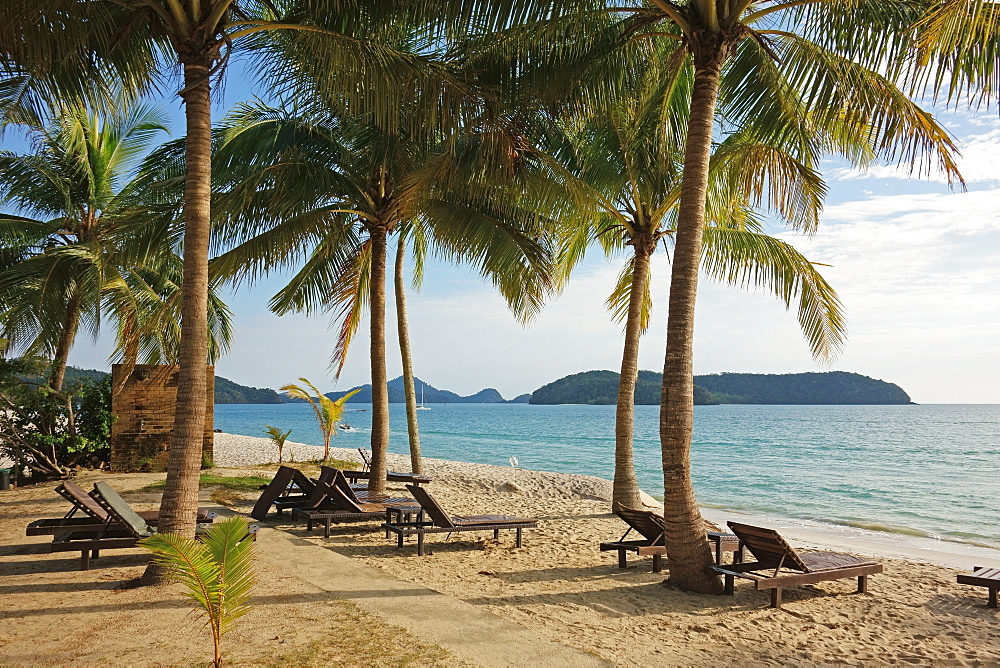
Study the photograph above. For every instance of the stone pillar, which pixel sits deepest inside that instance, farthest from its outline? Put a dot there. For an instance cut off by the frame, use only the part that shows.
(143, 406)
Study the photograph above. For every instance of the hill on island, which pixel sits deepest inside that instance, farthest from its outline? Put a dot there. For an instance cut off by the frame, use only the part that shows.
(226, 391)
(601, 388)
(832, 387)
(431, 394)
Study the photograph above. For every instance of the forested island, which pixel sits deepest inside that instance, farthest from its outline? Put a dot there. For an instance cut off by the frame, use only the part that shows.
(226, 391)
(428, 393)
(831, 387)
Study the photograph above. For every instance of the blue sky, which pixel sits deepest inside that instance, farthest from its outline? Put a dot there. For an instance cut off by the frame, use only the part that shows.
(914, 262)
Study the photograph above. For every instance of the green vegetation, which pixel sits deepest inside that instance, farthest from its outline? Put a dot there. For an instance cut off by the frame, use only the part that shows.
(228, 392)
(601, 388)
(831, 387)
(47, 431)
(328, 412)
(217, 571)
(278, 437)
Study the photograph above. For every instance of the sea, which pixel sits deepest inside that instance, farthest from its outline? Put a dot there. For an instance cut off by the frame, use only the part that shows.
(918, 473)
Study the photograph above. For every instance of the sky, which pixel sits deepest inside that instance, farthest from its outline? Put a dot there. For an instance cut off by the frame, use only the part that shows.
(914, 262)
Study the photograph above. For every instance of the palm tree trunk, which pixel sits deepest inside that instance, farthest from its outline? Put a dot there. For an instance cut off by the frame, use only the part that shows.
(402, 325)
(626, 487)
(180, 495)
(380, 393)
(687, 545)
(59, 361)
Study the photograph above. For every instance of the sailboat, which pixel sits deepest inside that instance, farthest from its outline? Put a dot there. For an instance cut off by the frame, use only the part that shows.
(422, 406)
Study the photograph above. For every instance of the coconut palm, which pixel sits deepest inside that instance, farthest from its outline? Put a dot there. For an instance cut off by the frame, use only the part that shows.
(75, 260)
(216, 571)
(333, 189)
(328, 412)
(77, 45)
(766, 61)
(622, 164)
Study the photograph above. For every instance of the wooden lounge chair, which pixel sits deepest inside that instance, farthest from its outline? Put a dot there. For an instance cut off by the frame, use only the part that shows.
(93, 515)
(390, 476)
(288, 484)
(650, 526)
(441, 522)
(773, 554)
(360, 493)
(123, 528)
(331, 505)
(982, 576)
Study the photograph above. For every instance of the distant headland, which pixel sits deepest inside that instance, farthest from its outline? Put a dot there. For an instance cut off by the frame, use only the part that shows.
(831, 387)
(601, 388)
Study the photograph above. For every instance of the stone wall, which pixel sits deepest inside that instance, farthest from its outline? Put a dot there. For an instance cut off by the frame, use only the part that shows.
(144, 411)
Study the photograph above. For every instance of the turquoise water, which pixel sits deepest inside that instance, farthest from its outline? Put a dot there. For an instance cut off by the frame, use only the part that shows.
(929, 470)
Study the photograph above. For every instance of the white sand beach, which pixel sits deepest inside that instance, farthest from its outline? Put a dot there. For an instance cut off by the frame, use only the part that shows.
(558, 586)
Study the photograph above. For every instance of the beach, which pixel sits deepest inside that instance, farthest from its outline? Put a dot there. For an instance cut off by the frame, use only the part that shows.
(558, 586)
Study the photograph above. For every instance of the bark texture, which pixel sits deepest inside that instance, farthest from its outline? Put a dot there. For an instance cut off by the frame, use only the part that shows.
(380, 393)
(180, 495)
(626, 487)
(70, 325)
(403, 327)
(688, 550)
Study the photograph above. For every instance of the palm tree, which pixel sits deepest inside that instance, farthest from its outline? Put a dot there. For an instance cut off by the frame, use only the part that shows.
(77, 45)
(335, 189)
(622, 163)
(79, 257)
(328, 412)
(403, 332)
(790, 66)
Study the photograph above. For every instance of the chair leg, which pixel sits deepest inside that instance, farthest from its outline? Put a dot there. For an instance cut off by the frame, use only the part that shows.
(729, 585)
(496, 534)
(326, 528)
(657, 566)
(776, 597)
(862, 584)
(85, 560)
(399, 540)
(993, 598)
(309, 524)
(622, 561)
(518, 538)
(420, 544)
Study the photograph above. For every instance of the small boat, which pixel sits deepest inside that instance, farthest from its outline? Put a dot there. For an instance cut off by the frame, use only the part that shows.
(345, 427)
(422, 406)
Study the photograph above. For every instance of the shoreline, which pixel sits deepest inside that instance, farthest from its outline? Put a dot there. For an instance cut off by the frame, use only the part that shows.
(237, 450)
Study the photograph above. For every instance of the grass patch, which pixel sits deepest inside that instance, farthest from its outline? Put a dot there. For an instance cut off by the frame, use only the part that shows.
(312, 465)
(246, 483)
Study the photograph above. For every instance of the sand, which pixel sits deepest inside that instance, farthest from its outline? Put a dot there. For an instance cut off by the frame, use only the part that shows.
(558, 586)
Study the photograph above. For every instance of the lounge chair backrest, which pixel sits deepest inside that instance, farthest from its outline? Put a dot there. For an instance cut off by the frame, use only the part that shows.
(647, 523)
(340, 499)
(300, 480)
(117, 507)
(366, 459)
(279, 483)
(768, 547)
(327, 474)
(437, 514)
(340, 482)
(317, 497)
(78, 497)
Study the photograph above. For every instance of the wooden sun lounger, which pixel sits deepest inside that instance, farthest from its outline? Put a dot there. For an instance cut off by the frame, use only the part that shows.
(982, 576)
(124, 528)
(390, 476)
(650, 526)
(773, 554)
(284, 481)
(94, 516)
(331, 505)
(441, 522)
